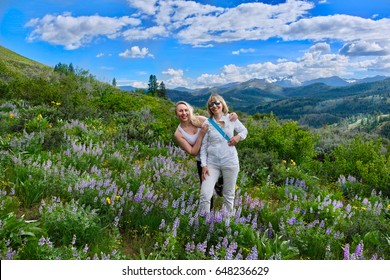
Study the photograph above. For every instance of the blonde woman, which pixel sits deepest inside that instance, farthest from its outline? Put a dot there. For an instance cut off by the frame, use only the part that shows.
(190, 132)
(218, 153)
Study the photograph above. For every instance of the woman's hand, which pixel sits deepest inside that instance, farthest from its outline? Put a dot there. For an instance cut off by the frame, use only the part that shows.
(205, 171)
(234, 140)
(204, 129)
(233, 117)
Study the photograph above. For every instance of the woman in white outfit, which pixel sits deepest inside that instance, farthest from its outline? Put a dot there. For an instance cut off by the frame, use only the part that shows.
(218, 154)
(191, 130)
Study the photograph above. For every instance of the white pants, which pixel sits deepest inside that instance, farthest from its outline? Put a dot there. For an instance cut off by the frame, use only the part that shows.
(229, 174)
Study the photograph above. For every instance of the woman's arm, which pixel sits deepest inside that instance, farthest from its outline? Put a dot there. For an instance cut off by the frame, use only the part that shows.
(241, 131)
(183, 143)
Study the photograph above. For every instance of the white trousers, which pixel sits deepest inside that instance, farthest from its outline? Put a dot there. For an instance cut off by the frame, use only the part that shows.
(229, 174)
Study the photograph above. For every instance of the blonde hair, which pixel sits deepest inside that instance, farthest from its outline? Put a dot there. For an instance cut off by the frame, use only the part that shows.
(193, 119)
(217, 97)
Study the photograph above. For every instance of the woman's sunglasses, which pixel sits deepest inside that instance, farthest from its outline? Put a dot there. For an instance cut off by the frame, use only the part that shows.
(212, 103)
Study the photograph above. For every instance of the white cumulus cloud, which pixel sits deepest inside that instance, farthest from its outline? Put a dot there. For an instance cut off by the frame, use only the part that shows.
(250, 50)
(74, 32)
(136, 52)
(176, 78)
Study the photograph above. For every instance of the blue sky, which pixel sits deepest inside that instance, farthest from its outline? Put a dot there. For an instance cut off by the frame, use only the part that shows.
(202, 43)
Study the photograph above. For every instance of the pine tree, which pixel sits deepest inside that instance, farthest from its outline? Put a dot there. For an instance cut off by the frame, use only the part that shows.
(162, 91)
(71, 69)
(114, 82)
(152, 85)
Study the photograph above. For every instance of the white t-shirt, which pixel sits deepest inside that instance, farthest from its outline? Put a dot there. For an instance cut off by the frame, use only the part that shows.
(190, 138)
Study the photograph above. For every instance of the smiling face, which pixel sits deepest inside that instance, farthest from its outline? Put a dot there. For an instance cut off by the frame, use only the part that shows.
(182, 112)
(216, 105)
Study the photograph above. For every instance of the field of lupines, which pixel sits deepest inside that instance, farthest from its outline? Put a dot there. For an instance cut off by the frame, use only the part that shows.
(98, 189)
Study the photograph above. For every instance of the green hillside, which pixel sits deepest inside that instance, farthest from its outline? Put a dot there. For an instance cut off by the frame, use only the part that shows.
(314, 105)
(15, 64)
(88, 171)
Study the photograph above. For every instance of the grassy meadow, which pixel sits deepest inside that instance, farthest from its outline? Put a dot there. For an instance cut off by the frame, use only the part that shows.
(90, 172)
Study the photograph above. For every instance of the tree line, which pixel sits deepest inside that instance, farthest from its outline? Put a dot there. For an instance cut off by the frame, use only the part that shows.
(154, 88)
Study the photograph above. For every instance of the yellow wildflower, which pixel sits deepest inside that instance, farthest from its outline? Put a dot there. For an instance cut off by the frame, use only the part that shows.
(58, 104)
(284, 161)
(108, 200)
(11, 115)
(39, 117)
(388, 206)
(117, 197)
(293, 162)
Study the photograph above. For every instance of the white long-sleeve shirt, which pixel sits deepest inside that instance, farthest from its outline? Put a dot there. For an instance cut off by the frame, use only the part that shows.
(215, 149)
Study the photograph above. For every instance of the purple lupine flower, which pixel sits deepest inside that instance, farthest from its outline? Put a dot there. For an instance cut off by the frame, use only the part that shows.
(253, 254)
(270, 231)
(166, 242)
(359, 251)
(351, 179)
(218, 218)
(341, 180)
(162, 224)
(176, 224)
(175, 204)
(164, 204)
(10, 254)
(41, 241)
(211, 251)
(211, 227)
(49, 243)
(225, 242)
(346, 252)
(231, 250)
(190, 247)
(238, 255)
(254, 222)
(291, 221)
(202, 247)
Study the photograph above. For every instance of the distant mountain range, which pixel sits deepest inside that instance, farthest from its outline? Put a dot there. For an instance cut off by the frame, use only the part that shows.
(317, 102)
(333, 81)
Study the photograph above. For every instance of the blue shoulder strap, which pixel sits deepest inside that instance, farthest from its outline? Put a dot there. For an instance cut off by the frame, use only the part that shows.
(219, 129)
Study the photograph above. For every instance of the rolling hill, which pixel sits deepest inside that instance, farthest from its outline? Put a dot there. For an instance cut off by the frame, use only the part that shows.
(313, 104)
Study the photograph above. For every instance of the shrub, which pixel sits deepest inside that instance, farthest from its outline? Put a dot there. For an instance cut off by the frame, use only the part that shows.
(364, 161)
